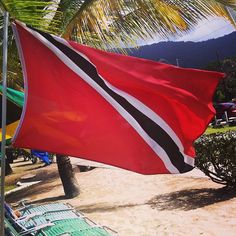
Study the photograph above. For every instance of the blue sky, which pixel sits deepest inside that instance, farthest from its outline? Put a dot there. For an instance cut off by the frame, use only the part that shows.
(213, 27)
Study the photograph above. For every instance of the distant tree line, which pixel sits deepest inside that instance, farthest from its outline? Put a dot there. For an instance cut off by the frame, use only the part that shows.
(226, 89)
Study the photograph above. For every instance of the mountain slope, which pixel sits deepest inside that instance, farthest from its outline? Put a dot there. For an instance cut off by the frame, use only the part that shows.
(189, 54)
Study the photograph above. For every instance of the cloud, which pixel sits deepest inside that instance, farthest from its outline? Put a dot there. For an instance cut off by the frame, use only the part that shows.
(212, 27)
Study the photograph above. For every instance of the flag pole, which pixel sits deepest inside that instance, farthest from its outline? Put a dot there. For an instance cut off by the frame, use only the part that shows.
(4, 108)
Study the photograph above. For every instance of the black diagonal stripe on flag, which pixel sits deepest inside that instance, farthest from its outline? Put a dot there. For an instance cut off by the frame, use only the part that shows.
(149, 126)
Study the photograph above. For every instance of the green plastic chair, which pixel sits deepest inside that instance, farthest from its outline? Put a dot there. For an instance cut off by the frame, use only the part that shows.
(51, 207)
(73, 227)
(56, 219)
(36, 220)
(14, 229)
(9, 229)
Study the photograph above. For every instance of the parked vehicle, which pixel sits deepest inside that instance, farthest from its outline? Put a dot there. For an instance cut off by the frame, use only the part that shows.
(221, 108)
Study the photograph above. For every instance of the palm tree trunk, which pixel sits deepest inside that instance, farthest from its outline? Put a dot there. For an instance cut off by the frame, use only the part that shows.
(68, 179)
(9, 159)
(8, 168)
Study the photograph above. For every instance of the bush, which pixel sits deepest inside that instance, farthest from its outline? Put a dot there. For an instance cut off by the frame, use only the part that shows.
(216, 157)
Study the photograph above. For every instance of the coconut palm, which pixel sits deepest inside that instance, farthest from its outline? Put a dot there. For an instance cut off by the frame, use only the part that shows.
(110, 24)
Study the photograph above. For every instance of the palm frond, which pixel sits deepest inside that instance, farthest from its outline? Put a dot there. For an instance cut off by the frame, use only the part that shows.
(37, 13)
(229, 3)
(111, 23)
(69, 9)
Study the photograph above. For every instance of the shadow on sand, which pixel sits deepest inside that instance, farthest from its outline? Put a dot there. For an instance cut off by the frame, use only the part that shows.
(24, 164)
(37, 167)
(191, 199)
(49, 199)
(105, 207)
(37, 188)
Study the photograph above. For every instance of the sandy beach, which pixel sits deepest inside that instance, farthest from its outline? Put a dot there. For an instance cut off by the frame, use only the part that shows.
(134, 204)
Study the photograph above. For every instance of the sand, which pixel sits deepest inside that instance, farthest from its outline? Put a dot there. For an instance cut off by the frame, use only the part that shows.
(134, 204)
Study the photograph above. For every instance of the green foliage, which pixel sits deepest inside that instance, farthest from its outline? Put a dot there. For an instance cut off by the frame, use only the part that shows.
(9, 187)
(111, 23)
(226, 89)
(14, 71)
(216, 157)
(37, 13)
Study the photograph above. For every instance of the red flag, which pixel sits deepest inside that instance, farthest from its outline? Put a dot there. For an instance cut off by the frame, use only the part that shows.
(132, 113)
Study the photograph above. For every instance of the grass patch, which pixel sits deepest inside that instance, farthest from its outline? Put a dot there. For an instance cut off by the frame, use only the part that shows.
(9, 187)
(211, 130)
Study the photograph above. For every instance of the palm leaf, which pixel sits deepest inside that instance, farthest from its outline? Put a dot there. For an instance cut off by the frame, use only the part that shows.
(109, 23)
(37, 13)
